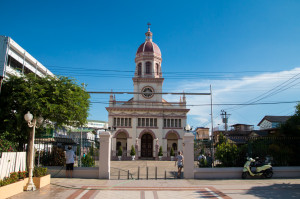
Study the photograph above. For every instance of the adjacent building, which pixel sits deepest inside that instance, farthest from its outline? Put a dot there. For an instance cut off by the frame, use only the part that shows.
(202, 133)
(15, 60)
(147, 120)
(271, 122)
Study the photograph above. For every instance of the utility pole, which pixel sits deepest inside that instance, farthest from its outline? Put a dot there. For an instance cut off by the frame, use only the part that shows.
(212, 129)
(225, 119)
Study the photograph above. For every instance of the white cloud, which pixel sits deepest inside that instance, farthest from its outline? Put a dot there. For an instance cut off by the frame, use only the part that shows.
(241, 90)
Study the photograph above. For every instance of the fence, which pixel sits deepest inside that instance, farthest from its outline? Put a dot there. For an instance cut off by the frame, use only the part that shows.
(11, 162)
(281, 151)
(51, 151)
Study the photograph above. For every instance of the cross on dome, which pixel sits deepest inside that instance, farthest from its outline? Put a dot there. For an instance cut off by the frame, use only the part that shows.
(149, 33)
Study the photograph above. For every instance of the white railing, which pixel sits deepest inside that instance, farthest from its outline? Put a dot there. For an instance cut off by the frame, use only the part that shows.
(12, 162)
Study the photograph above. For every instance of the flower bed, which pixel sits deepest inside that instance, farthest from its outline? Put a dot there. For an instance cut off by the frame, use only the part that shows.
(11, 189)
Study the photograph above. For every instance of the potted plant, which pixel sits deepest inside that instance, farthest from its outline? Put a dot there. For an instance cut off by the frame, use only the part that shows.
(160, 153)
(120, 153)
(40, 177)
(132, 152)
(172, 154)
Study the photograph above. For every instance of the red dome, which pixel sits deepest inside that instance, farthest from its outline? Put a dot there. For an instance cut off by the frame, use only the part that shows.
(149, 47)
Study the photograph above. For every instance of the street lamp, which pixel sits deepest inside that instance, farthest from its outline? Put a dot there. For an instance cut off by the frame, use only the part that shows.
(33, 123)
(188, 128)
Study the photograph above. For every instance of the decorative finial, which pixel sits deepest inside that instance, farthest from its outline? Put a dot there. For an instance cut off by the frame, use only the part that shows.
(149, 24)
(148, 33)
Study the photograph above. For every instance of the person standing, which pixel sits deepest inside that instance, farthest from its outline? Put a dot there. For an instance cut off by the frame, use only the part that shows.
(70, 155)
(179, 162)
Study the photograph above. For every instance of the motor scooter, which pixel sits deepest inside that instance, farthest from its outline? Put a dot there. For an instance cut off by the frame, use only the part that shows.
(262, 169)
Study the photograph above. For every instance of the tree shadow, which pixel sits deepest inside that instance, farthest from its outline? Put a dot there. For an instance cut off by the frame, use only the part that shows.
(284, 190)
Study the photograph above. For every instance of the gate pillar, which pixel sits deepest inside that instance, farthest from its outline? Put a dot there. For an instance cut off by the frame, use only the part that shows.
(104, 155)
(188, 154)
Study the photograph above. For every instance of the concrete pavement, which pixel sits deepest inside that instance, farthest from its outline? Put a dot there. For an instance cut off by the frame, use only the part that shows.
(166, 189)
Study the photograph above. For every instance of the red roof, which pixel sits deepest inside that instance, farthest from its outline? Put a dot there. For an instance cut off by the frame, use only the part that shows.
(149, 47)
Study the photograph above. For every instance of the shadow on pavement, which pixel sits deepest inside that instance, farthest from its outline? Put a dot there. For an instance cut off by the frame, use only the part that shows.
(276, 191)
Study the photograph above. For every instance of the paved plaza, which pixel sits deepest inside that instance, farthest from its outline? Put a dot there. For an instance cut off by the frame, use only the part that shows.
(166, 189)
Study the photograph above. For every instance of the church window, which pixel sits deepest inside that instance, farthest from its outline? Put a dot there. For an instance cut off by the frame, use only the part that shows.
(147, 122)
(122, 121)
(148, 67)
(157, 69)
(139, 69)
(172, 123)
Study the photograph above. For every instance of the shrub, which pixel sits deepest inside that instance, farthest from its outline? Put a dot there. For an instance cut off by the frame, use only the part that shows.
(5, 145)
(54, 158)
(132, 151)
(227, 154)
(160, 153)
(39, 171)
(22, 174)
(120, 151)
(87, 161)
(13, 177)
(172, 152)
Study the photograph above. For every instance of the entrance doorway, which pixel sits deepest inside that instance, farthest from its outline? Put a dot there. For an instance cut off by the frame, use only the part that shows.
(147, 146)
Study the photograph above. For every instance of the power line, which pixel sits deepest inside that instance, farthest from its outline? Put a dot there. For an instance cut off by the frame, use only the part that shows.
(164, 93)
(214, 104)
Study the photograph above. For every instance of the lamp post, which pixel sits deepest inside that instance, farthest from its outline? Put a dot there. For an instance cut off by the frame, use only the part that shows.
(33, 123)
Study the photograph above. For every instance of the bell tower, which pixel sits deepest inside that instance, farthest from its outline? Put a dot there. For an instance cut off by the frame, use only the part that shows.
(148, 76)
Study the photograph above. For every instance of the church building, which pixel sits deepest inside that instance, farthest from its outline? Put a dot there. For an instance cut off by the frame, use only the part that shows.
(147, 121)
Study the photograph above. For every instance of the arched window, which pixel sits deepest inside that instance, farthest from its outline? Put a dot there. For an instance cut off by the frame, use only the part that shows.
(148, 67)
(140, 69)
(157, 69)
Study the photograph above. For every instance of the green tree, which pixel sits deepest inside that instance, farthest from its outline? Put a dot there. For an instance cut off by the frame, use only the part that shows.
(292, 126)
(227, 153)
(56, 99)
(222, 139)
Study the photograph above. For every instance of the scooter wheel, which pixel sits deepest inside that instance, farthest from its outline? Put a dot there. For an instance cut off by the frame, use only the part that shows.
(244, 175)
(268, 174)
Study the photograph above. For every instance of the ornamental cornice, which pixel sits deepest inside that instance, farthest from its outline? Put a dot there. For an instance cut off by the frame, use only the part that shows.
(146, 109)
(147, 115)
(149, 79)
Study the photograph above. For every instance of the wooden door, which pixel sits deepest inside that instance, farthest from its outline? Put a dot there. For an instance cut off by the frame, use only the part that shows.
(147, 146)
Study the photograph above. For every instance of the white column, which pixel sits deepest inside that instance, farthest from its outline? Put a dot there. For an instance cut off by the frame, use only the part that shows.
(104, 155)
(188, 154)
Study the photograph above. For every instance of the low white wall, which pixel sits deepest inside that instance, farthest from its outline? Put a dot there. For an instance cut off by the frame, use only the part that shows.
(199, 173)
(78, 172)
(236, 173)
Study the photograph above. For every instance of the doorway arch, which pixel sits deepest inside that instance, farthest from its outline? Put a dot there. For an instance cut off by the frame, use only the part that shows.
(147, 145)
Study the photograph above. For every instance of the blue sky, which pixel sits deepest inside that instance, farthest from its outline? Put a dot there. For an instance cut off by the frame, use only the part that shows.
(242, 48)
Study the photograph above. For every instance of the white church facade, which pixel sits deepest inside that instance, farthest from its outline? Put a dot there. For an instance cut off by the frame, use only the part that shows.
(147, 121)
